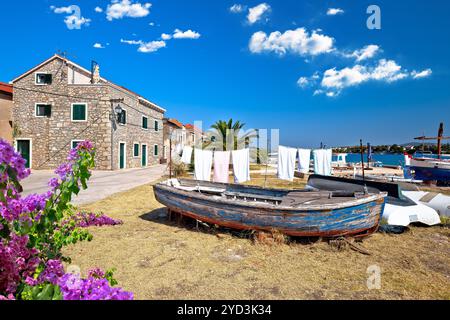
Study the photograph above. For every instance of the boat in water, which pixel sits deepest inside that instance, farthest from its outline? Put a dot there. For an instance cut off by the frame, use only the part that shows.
(304, 213)
(401, 208)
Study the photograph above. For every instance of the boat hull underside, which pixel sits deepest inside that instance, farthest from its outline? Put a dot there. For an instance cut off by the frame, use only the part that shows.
(358, 220)
(431, 174)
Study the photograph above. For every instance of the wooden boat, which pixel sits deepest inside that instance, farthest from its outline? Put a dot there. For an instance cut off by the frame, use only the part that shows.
(296, 213)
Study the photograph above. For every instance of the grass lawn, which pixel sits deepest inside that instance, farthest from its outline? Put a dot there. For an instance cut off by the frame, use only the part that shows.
(157, 259)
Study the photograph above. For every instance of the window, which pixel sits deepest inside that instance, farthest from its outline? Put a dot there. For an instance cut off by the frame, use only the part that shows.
(144, 122)
(122, 117)
(43, 110)
(75, 143)
(156, 125)
(43, 78)
(155, 150)
(136, 150)
(79, 112)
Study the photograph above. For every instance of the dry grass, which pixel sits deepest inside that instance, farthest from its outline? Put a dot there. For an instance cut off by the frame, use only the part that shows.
(157, 259)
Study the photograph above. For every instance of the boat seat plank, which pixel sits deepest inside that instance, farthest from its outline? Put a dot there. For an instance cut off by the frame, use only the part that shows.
(252, 196)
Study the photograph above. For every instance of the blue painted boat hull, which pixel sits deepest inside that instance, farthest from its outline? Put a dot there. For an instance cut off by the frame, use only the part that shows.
(431, 174)
(360, 219)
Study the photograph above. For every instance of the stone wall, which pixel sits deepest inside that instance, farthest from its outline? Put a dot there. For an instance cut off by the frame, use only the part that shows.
(5, 117)
(52, 136)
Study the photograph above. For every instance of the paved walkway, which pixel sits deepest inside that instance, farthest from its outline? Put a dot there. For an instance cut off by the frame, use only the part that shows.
(101, 185)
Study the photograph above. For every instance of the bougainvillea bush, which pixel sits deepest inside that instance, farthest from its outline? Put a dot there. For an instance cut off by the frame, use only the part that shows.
(33, 230)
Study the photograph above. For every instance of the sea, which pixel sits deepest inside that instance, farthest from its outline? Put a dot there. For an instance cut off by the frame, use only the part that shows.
(390, 159)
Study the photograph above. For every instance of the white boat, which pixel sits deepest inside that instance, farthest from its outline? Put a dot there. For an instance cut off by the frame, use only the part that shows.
(434, 200)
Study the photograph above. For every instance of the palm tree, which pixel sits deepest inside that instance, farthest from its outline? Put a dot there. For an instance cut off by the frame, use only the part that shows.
(227, 130)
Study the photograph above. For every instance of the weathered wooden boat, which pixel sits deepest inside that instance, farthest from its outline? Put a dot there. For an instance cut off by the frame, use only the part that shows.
(296, 213)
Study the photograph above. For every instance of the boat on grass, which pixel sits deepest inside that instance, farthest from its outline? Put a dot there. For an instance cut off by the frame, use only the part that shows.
(303, 213)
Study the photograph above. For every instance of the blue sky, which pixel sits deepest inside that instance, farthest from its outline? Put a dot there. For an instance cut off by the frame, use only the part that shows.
(317, 77)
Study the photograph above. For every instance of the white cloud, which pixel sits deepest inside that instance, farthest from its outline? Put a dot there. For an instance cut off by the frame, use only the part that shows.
(189, 34)
(74, 20)
(126, 8)
(237, 8)
(146, 47)
(166, 36)
(422, 74)
(151, 46)
(256, 13)
(334, 81)
(98, 46)
(334, 11)
(303, 82)
(98, 9)
(151, 24)
(297, 41)
(365, 53)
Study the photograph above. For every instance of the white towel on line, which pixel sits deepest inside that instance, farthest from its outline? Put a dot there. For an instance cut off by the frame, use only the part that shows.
(322, 162)
(187, 155)
(286, 163)
(221, 166)
(203, 162)
(304, 156)
(241, 165)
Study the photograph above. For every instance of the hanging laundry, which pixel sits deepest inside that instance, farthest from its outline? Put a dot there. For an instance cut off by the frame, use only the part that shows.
(187, 155)
(241, 165)
(286, 163)
(304, 156)
(221, 166)
(322, 162)
(202, 164)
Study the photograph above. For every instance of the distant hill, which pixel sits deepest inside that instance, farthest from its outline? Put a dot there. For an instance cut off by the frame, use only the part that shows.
(416, 144)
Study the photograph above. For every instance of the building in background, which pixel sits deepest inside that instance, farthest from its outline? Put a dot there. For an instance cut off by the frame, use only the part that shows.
(175, 131)
(58, 103)
(6, 103)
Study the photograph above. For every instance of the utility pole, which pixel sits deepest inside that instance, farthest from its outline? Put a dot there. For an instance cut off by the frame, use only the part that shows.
(362, 158)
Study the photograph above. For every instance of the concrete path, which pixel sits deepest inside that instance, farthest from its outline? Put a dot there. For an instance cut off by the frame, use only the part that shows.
(101, 185)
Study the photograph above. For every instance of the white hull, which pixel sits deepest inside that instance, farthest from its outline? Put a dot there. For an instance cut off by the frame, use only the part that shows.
(439, 202)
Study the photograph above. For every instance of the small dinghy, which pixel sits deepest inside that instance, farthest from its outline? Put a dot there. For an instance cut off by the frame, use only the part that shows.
(293, 212)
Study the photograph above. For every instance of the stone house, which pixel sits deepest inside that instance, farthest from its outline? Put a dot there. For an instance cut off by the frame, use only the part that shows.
(6, 103)
(59, 103)
(175, 129)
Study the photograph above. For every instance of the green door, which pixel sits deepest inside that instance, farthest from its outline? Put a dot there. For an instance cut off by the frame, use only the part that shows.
(144, 155)
(24, 148)
(122, 156)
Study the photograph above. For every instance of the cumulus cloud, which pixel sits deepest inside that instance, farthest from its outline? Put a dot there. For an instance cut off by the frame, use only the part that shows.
(334, 11)
(74, 20)
(256, 13)
(126, 8)
(189, 34)
(298, 41)
(422, 74)
(98, 46)
(146, 47)
(367, 52)
(237, 8)
(98, 9)
(334, 81)
(166, 36)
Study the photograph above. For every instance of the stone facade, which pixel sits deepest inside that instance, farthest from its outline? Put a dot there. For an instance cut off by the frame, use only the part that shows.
(5, 112)
(52, 135)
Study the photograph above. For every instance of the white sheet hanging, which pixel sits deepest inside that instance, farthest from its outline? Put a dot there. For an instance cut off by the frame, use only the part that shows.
(304, 156)
(221, 166)
(241, 165)
(203, 162)
(286, 163)
(187, 155)
(322, 161)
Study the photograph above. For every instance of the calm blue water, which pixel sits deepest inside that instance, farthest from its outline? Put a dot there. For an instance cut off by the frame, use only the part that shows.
(388, 159)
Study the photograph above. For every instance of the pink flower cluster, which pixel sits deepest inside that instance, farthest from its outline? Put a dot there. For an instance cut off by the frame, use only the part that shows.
(19, 260)
(89, 219)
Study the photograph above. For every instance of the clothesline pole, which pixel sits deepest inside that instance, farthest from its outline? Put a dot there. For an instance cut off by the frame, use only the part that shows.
(170, 156)
(362, 158)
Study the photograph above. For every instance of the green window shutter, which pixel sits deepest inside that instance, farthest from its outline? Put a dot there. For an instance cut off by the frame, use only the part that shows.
(145, 122)
(79, 112)
(43, 110)
(136, 150)
(156, 150)
(156, 125)
(75, 144)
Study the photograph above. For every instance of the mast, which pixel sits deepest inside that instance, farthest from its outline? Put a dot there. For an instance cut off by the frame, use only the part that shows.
(439, 139)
